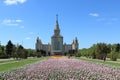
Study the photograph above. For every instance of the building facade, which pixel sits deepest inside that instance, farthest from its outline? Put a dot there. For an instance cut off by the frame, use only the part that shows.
(57, 47)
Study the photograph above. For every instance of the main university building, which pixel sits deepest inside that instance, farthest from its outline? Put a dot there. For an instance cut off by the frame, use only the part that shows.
(57, 47)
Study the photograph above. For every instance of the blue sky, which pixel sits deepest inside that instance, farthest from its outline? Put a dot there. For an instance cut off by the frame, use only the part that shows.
(91, 21)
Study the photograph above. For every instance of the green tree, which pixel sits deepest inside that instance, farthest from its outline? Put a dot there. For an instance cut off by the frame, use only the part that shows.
(31, 53)
(78, 54)
(2, 52)
(116, 47)
(101, 50)
(83, 51)
(15, 55)
(9, 48)
(113, 56)
(21, 52)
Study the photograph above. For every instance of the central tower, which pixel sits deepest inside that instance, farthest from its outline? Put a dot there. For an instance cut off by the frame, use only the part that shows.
(57, 40)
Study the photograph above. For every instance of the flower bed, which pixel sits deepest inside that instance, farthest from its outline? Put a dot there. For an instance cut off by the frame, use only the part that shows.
(63, 69)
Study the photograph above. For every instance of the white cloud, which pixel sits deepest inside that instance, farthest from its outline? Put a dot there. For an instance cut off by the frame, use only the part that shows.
(21, 1)
(94, 14)
(14, 2)
(9, 22)
(27, 38)
(18, 20)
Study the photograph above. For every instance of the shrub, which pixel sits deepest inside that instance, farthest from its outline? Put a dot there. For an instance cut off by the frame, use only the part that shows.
(113, 56)
(38, 54)
(78, 55)
(108, 55)
(119, 56)
(3, 56)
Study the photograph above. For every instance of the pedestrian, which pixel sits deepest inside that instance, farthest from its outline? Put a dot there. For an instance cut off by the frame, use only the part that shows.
(104, 58)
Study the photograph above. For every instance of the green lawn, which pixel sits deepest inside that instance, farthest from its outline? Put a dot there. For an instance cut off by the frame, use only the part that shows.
(6, 60)
(107, 62)
(17, 64)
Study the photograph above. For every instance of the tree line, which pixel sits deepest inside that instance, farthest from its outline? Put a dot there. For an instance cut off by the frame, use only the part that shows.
(101, 51)
(15, 51)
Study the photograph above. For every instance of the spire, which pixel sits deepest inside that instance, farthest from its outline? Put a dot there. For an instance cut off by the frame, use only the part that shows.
(76, 40)
(57, 24)
(38, 40)
(57, 29)
(56, 17)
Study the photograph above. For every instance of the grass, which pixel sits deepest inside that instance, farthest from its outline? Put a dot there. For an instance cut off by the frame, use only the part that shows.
(9, 64)
(17, 64)
(6, 60)
(107, 62)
